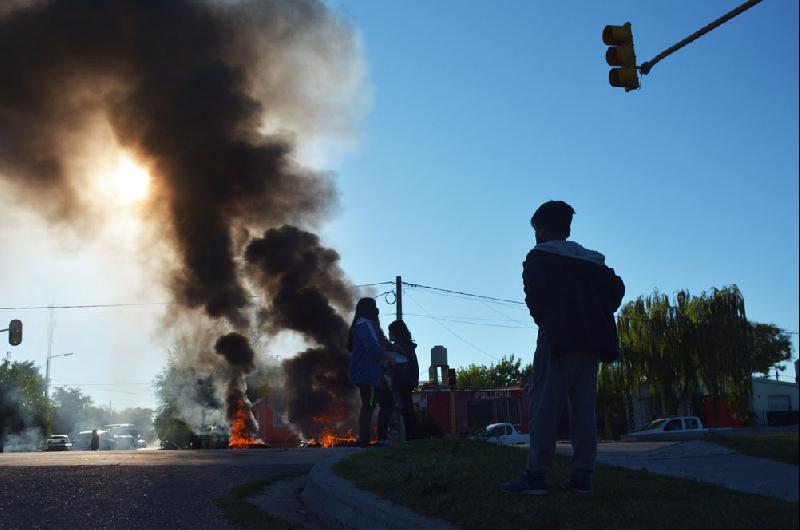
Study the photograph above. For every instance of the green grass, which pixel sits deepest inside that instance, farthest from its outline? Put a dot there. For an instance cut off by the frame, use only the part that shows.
(782, 447)
(459, 480)
(246, 515)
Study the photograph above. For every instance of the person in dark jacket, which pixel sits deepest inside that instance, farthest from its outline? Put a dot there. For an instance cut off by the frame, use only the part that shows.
(367, 346)
(572, 296)
(94, 444)
(405, 376)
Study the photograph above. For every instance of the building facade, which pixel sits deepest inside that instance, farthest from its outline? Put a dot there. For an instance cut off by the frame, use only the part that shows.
(272, 429)
(774, 402)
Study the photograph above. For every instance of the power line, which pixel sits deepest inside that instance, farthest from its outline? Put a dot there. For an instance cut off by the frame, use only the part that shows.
(135, 304)
(462, 321)
(517, 302)
(86, 306)
(456, 335)
(462, 293)
(128, 392)
(440, 290)
(491, 308)
(372, 284)
(62, 382)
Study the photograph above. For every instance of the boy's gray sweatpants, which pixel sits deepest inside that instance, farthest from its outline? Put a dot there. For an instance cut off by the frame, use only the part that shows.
(554, 378)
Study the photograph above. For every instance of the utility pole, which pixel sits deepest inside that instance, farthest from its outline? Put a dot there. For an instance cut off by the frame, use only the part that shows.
(398, 290)
(50, 325)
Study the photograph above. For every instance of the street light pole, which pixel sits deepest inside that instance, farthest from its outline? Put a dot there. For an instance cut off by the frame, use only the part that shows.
(47, 371)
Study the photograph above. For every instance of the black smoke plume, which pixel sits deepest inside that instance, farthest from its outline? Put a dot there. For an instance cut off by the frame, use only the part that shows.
(236, 349)
(303, 282)
(179, 85)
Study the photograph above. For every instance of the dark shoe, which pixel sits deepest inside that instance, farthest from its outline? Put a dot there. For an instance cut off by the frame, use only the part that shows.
(578, 483)
(382, 443)
(527, 485)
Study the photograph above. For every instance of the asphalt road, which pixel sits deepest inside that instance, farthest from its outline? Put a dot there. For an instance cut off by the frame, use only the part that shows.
(133, 489)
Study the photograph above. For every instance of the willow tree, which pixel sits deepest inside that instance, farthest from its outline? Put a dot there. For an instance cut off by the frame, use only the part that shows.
(683, 348)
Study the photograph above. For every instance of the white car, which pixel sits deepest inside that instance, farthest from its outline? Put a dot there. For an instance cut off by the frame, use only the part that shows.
(672, 428)
(504, 434)
(58, 442)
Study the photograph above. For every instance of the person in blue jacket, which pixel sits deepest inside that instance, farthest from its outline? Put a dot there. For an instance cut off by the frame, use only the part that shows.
(367, 366)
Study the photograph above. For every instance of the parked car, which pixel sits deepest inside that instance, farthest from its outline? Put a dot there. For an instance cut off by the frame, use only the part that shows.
(503, 434)
(169, 446)
(141, 443)
(124, 442)
(672, 428)
(83, 441)
(58, 442)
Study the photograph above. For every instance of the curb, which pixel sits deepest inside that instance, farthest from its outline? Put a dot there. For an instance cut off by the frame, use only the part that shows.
(335, 499)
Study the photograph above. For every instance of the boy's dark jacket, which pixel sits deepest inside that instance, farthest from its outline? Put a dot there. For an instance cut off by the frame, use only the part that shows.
(572, 297)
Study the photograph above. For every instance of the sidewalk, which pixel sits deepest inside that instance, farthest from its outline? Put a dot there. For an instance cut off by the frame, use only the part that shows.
(705, 462)
(337, 502)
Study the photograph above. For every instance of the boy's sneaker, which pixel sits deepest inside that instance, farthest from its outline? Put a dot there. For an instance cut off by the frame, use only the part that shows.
(578, 483)
(527, 484)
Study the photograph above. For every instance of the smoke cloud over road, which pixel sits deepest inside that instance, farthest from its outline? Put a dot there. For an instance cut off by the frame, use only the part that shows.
(303, 282)
(210, 97)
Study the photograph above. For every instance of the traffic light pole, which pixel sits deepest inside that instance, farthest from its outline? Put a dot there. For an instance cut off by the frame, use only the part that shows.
(648, 65)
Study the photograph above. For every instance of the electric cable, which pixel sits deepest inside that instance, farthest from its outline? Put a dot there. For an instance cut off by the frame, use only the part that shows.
(456, 335)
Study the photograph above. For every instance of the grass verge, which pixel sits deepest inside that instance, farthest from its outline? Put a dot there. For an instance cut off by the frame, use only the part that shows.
(246, 515)
(783, 447)
(459, 480)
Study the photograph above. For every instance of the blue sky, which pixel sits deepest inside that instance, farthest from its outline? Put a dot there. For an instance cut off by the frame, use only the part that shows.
(480, 112)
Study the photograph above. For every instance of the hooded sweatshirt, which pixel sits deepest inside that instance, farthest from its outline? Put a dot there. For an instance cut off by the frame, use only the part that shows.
(365, 362)
(572, 296)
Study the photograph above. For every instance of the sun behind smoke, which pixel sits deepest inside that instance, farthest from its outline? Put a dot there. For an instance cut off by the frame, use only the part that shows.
(127, 182)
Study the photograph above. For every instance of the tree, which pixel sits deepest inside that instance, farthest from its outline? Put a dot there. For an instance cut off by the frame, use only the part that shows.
(169, 426)
(23, 407)
(771, 346)
(507, 372)
(692, 346)
(473, 377)
(175, 387)
(71, 410)
(141, 418)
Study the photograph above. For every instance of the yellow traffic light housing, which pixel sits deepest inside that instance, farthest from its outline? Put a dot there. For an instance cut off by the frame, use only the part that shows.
(15, 332)
(621, 54)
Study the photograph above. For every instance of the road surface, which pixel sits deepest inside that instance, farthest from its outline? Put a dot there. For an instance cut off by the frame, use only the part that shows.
(133, 489)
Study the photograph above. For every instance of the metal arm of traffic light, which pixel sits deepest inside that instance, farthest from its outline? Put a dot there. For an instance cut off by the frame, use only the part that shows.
(648, 65)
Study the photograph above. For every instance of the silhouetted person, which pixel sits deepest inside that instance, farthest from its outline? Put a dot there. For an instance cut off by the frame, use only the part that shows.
(367, 345)
(405, 376)
(94, 445)
(572, 297)
(617, 425)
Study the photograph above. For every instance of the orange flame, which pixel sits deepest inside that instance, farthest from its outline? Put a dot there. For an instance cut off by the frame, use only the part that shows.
(240, 437)
(328, 437)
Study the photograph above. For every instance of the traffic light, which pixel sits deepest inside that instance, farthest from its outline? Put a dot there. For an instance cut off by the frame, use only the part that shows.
(15, 332)
(621, 54)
